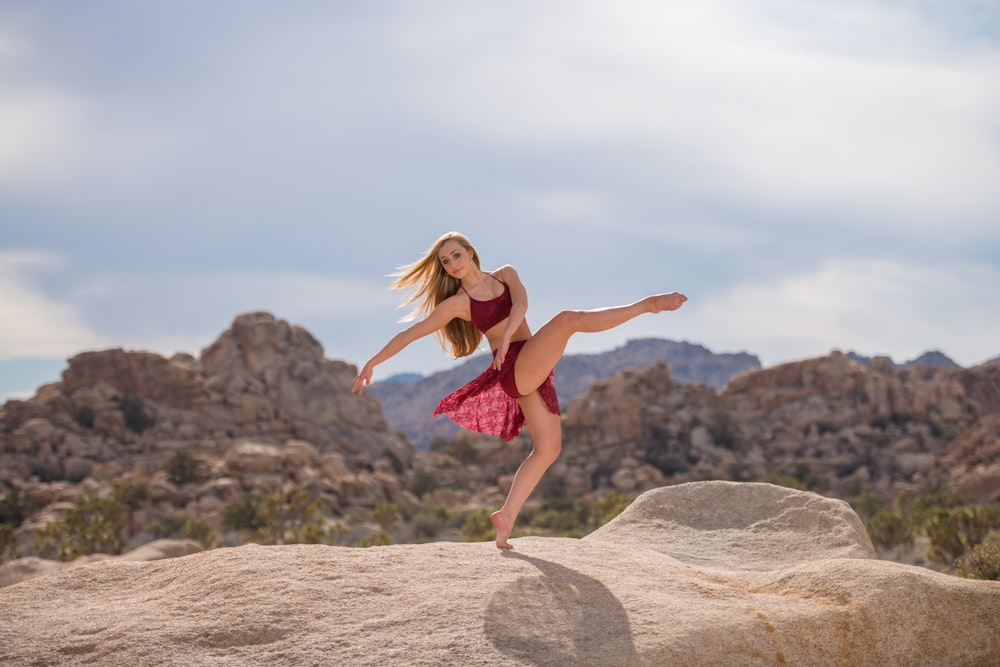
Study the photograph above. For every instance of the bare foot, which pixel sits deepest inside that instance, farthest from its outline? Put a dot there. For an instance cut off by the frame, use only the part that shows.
(503, 530)
(671, 301)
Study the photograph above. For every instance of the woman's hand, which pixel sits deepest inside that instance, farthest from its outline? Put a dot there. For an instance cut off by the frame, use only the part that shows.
(364, 379)
(501, 353)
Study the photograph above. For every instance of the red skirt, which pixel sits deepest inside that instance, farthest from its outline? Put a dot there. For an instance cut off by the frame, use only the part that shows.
(489, 404)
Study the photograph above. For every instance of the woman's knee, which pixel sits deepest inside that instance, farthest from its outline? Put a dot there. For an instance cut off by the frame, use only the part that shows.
(568, 319)
(547, 449)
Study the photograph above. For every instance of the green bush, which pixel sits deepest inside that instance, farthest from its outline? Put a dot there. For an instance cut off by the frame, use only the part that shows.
(385, 514)
(183, 467)
(93, 525)
(477, 526)
(15, 507)
(724, 429)
(889, 529)
(243, 514)
(983, 561)
(423, 482)
(8, 542)
(607, 508)
(397, 462)
(197, 529)
(954, 531)
(278, 518)
(137, 417)
(184, 526)
(428, 521)
(378, 539)
(85, 416)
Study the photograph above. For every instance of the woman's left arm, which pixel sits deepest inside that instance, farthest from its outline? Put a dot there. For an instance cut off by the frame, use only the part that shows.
(518, 310)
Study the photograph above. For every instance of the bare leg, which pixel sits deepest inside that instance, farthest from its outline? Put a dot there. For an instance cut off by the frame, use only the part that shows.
(543, 350)
(546, 432)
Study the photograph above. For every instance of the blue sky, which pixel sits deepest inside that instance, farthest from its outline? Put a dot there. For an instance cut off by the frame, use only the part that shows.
(814, 176)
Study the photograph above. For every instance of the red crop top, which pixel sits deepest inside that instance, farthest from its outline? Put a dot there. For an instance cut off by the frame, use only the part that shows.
(487, 314)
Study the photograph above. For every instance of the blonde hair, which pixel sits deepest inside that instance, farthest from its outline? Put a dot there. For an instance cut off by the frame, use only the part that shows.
(429, 285)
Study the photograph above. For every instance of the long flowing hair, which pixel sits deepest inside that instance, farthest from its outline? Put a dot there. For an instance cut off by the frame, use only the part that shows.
(429, 284)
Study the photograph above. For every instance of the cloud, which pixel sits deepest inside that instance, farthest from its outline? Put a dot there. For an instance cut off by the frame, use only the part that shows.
(185, 311)
(36, 324)
(871, 306)
(736, 100)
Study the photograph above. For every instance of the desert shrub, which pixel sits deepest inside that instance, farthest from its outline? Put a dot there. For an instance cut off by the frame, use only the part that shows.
(85, 416)
(278, 518)
(197, 529)
(385, 514)
(428, 521)
(377, 539)
(737, 470)
(889, 529)
(665, 461)
(462, 450)
(397, 462)
(553, 486)
(783, 480)
(809, 478)
(131, 494)
(723, 428)
(243, 514)
(954, 531)
(983, 561)
(423, 482)
(183, 467)
(8, 542)
(866, 504)
(606, 508)
(564, 516)
(137, 417)
(93, 525)
(169, 525)
(15, 507)
(477, 526)
(825, 426)
(185, 526)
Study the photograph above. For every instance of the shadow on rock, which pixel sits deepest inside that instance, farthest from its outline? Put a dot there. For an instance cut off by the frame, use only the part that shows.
(559, 617)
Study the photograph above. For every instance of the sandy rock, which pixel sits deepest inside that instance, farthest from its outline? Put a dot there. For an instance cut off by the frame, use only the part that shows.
(298, 454)
(700, 574)
(24, 569)
(160, 549)
(254, 457)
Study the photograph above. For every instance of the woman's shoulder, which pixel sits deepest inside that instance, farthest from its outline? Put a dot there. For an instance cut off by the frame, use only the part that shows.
(504, 273)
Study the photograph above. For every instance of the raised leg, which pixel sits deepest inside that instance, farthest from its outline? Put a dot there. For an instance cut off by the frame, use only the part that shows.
(543, 350)
(546, 434)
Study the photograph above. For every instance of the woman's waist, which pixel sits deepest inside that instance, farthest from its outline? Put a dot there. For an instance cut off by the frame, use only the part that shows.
(514, 344)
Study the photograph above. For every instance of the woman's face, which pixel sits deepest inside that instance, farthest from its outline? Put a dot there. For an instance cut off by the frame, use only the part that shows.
(455, 259)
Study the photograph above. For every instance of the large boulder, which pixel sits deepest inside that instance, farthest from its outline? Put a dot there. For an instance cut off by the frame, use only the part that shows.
(709, 573)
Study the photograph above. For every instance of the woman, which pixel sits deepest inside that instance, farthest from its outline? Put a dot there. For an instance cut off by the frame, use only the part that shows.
(461, 304)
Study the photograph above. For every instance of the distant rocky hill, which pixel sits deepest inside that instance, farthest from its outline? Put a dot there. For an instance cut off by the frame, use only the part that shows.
(828, 424)
(408, 403)
(929, 358)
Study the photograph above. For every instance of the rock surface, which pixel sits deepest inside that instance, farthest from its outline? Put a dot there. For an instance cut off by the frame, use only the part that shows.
(713, 573)
(24, 569)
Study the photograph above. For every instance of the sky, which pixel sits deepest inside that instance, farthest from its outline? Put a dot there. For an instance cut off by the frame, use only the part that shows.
(812, 175)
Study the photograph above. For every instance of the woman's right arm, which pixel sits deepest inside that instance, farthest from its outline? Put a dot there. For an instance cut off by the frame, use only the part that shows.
(445, 312)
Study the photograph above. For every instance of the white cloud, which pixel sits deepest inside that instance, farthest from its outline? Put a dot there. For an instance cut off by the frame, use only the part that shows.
(34, 323)
(740, 95)
(870, 306)
(55, 137)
